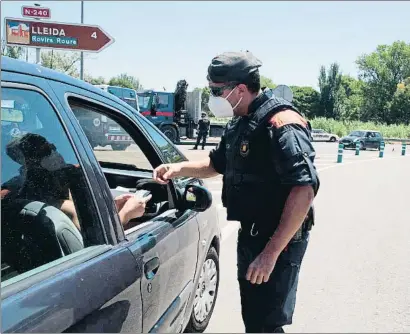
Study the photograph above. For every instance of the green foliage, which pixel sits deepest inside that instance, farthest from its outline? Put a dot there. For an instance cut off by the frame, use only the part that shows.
(126, 81)
(330, 96)
(307, 100)
(382, 71)
(266, 82)
(94, 81)
(399, 107)
(342, 128)
(65, 62)
(205, 99)
(15, 52)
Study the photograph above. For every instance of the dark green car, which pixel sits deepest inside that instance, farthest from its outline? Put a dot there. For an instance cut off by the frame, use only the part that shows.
(365, 138)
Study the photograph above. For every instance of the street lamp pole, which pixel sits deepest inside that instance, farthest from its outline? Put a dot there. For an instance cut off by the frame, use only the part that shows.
(82, 53)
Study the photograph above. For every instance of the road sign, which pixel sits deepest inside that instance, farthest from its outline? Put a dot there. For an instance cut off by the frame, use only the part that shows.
(37, 12)
(55, 35)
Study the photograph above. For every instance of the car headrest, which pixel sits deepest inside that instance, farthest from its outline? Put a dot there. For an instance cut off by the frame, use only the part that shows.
(31, 148)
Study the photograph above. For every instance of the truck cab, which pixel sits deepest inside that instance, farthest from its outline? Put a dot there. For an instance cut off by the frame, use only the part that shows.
(159, 108)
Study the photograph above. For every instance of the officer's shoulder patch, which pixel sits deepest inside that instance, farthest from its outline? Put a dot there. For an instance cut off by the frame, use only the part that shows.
(286, 117)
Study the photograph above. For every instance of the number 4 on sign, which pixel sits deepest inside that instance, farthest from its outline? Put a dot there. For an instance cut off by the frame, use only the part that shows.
(94, 35)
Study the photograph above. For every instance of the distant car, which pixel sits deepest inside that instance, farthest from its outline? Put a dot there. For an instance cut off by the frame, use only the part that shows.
(365, 138)
(69, 262)
(322, 135)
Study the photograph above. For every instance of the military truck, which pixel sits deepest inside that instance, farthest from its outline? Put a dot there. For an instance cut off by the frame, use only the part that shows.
(174, 113)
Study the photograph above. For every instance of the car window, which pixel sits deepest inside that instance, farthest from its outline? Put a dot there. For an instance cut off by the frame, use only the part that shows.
(170, 154)
(46, 207)
(163, 101)
(111, 143)
(168, 151)
(116, 91)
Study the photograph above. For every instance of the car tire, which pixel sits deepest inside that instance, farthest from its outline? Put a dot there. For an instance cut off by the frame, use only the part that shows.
(332, 139)
(362, 147)
(170, 132)
(119, 147)
(198, 324)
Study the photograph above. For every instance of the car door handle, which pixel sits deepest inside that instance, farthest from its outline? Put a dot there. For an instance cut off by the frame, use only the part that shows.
(151, 268)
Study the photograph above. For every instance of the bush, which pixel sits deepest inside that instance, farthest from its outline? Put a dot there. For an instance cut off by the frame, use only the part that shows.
(342, 128)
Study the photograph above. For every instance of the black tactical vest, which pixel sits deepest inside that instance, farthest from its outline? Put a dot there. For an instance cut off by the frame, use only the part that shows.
(251, 190)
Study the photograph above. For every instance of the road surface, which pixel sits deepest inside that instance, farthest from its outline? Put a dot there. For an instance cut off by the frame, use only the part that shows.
(355, 276)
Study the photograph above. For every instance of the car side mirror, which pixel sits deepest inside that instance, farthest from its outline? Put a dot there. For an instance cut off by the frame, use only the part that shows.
(196, 198)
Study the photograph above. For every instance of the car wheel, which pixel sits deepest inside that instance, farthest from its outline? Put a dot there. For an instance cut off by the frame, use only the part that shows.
(332, 139)
(205, 294)
(361, 146)
(119, 147)
(170, 132)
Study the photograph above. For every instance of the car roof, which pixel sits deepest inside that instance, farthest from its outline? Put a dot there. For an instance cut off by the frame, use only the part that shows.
(366, 130)
(18, 66)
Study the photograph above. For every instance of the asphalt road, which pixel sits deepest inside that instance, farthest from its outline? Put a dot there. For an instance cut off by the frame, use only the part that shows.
(355, 276)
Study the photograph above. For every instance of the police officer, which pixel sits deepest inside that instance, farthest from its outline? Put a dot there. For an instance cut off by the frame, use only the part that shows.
(269, 183)
(203, 128)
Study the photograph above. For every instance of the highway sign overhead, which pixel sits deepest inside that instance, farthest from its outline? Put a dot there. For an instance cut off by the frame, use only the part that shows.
(56, 35)
(36, 12)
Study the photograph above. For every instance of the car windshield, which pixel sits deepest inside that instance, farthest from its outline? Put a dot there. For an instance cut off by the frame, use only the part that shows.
(356, 134)
(143, 101)
(132, 103)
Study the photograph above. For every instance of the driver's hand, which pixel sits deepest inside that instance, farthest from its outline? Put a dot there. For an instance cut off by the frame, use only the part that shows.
(163, 173)
(120, 200)
(133, 207)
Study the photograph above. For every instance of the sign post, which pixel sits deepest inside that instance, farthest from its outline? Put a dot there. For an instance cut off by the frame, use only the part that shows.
(37, 12)
(56, 35)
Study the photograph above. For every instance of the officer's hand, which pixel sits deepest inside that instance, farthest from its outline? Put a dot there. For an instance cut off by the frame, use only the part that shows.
(163, 173)
(260, 269)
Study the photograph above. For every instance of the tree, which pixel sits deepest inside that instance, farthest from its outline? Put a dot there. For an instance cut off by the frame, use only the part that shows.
(349, 99)
(382, 71)
(307, 100)
(399, 107)
(126, 81)
(94, 81)
(205, 99)
(266, 82)
(65, 62)
(11, 51)
(329, 83)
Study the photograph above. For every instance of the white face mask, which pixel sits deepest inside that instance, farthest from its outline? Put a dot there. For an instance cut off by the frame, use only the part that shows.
(220, 106)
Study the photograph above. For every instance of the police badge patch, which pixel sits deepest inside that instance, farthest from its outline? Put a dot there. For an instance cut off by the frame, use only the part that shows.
(244, 149)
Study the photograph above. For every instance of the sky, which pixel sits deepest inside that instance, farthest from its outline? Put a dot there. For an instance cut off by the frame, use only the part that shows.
(163, 42)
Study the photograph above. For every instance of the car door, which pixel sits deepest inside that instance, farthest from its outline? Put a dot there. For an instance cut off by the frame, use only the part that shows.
(187, 224)
(371, 140)
(165, 286)
(56, 276)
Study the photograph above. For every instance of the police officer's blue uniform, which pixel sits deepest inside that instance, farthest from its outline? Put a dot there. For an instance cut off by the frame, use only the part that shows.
(203, 129)
(262, 156)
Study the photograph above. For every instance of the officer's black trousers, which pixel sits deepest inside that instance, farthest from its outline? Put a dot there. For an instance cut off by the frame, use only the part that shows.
(267, 307)
(201, 135)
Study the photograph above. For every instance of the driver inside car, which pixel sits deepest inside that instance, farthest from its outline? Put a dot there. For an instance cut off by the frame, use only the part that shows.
(45, 176)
